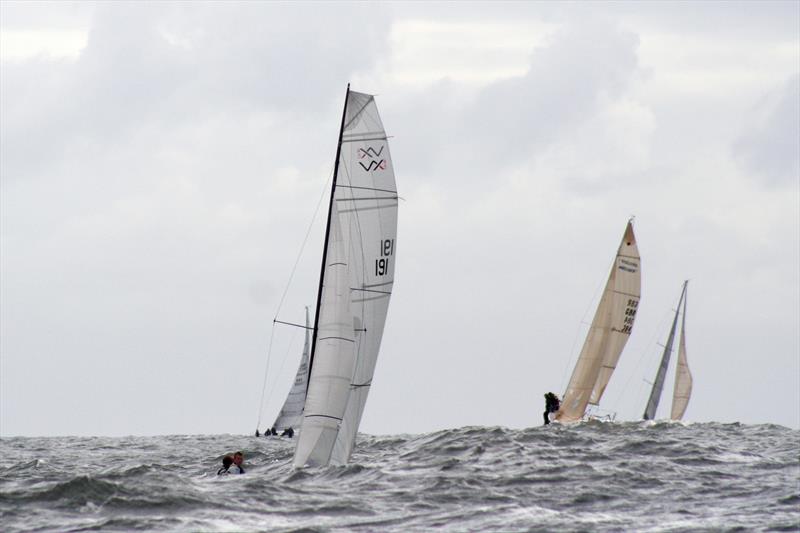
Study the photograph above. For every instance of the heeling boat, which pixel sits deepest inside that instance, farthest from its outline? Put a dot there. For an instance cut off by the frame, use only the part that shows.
(683, 377)
(355, 285)
(291, 414)
(611, 326)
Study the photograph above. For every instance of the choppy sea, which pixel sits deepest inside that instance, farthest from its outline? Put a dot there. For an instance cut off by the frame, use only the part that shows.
(594, 476)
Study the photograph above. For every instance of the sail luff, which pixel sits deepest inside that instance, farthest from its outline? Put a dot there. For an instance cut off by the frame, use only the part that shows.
(683, 377)
(658, 384)
(327, 232)
(610, 329)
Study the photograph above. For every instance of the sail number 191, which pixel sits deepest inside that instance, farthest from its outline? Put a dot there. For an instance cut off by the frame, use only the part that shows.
(382, 263)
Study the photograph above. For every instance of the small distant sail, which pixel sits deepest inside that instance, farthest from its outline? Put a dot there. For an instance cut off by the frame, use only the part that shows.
(291, 414)
(610, 329)
(683, 377)
(661, 374)
(362, 236)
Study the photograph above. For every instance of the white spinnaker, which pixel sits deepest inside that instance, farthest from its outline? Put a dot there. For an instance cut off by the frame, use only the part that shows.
(291, 414)
(365, 212)
(610, 329)
(683, 377)
(366, 197)
(332, 369)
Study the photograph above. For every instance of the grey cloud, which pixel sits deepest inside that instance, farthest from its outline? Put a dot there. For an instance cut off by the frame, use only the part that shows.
(564, 84)
(585, 66)
(770, 147)
(166, 65)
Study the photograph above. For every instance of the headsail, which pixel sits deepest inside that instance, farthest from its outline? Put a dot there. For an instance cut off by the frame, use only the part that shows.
(658, 384)
(683, 378)
(364, 211)
(610, 329)
(291, 414)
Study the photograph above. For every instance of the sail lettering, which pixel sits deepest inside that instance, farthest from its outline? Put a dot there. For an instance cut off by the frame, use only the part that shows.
(630, 314)
(386, 250)
(628, 266)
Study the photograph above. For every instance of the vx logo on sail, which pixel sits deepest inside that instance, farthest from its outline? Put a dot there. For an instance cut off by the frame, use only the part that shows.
(373, 163)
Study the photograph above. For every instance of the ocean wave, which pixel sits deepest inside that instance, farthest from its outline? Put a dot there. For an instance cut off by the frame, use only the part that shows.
(595, 476)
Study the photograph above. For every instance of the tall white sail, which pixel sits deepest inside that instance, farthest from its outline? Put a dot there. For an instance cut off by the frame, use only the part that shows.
(291, 414)
(683, 377)
(367, 201)
(332, 370)
(610, 329)
(658, 384)
(365, 209)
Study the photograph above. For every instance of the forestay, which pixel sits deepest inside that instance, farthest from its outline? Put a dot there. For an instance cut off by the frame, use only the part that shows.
(291, 414)
(610, 329)
(364, 213)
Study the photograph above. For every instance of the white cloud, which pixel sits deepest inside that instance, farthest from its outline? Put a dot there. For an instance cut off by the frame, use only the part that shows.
(25, 44)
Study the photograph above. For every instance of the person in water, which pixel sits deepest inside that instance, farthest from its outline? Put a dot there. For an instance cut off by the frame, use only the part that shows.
(551, 405)
(227, 461)
(236, 468)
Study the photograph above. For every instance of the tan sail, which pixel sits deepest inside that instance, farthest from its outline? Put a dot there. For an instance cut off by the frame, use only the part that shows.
(683, 377)
(610, 329)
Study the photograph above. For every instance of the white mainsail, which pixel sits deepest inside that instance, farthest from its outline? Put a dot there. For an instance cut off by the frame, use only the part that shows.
(362, 243)
(291, 414)
(683, 378)
(610, 329)
(658, 384)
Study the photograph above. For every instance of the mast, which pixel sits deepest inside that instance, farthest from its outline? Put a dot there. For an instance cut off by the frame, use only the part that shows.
(327, 236)
(658, 384)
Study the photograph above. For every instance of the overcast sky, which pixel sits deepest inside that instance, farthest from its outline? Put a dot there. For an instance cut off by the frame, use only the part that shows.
(161, 164)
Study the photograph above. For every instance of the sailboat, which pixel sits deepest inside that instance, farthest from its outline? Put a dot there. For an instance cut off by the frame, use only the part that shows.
(683, 377)
(355, 285)
(610, 329)
(291, 414)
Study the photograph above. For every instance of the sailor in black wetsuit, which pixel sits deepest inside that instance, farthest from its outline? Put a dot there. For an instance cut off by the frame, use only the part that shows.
(227, 461)
(288, 432)
(552, 404)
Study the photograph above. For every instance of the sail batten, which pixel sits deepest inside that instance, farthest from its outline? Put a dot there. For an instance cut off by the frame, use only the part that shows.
(608, 332)
(363, 231)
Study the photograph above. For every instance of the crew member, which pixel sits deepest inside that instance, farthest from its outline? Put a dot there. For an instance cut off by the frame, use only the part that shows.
(551, 405)
(227, 461)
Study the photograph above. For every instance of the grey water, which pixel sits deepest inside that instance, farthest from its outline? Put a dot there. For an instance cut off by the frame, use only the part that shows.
(594, 476)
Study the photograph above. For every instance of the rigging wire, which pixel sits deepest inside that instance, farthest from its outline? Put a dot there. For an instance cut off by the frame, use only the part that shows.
(266, 372)
(289, 349)
(302, 247)
(645, 352)
(283, 296)
(573, 357)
